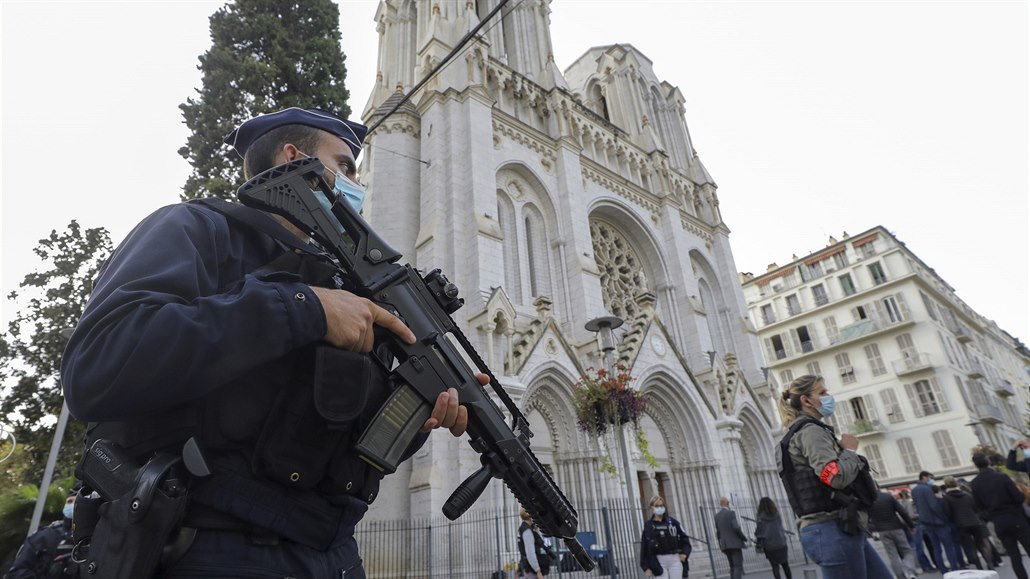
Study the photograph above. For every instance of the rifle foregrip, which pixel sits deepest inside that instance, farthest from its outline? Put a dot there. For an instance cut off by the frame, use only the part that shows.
(393, 429)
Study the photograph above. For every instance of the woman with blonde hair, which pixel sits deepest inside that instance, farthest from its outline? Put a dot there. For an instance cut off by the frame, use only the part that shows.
(664, 546)
(828, 484)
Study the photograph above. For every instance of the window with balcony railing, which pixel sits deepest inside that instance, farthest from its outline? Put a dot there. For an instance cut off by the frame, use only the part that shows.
(793, 305)
(866, 249)
(846, 285)
(768, 316)
(876, 272)
(819, 295)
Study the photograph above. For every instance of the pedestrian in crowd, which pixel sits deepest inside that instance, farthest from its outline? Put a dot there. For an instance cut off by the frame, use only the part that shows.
(961, 509)
(221, 323)
(534, 555)
(960, 557)
(46, 554)
(818, 471)
(1001, 502)
(1017, 460)
(730, 537)
(893, 525)
(933, 521)
(771, 538)
(664, 545)
(916, 539)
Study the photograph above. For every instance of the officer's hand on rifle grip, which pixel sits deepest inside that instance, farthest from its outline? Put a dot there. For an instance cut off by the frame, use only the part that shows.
(350, 320)
(447, 413)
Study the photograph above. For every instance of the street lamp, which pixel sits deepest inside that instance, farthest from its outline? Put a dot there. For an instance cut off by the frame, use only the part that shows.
(55, 446)
(604, 327)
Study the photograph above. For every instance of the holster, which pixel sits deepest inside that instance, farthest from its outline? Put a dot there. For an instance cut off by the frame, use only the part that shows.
(132, 529)
(847, 518)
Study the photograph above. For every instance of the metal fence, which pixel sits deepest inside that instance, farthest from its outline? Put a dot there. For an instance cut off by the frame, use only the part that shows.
(483, 544)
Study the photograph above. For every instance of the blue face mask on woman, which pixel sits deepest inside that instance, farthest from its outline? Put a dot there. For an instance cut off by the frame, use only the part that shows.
(68, 511)
(659, 511)
(827, 404)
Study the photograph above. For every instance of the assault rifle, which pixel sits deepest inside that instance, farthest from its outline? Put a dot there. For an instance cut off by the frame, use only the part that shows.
(434, 363)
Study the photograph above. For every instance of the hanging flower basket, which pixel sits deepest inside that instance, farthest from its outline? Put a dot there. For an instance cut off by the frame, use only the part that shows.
(604, 399)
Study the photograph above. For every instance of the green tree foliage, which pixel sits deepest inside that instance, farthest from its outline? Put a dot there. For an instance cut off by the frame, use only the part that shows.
(30, 351)
(265, 55)
(16, 506)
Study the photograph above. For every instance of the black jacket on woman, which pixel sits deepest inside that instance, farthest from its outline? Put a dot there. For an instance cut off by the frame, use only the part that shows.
(667, 532)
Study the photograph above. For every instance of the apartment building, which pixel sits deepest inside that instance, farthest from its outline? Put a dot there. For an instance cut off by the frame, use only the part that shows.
(918, 375)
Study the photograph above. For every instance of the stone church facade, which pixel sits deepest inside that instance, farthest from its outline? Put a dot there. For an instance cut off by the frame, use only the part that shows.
(551, 198)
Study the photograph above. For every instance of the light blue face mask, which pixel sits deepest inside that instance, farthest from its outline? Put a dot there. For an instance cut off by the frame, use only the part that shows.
(349, 190)
(827, 405)
(345, 188)
(659, 511)
(68, 511)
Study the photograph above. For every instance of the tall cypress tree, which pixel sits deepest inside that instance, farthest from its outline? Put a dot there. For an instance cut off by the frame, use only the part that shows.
(265, 55)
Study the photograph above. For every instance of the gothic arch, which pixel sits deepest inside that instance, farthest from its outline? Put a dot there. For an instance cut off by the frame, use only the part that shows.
(550, 394)
(757, 451)
(641, 268)
(715, 304)
(674, 410)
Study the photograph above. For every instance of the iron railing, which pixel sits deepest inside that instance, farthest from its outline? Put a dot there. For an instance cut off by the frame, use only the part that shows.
(483, 544)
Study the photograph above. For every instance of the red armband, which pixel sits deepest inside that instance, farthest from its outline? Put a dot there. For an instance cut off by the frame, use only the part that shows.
(829, 472)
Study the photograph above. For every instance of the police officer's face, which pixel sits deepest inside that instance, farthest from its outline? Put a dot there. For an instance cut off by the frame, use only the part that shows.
(332, 151)
(336, 156)
(814, 401)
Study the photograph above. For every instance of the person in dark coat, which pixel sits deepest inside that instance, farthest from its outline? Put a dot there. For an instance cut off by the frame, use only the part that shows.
(770, 536)
(1001, 502)
(236, 332)
(961, 510)
(664, 545)
(893, 524)
(731, 539)
(933, 520)
(46, 554)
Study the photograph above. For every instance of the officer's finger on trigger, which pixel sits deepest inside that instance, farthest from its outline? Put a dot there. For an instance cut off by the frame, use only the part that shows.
(391, 322)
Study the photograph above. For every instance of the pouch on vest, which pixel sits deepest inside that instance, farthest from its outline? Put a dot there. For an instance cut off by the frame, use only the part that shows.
(307, 425)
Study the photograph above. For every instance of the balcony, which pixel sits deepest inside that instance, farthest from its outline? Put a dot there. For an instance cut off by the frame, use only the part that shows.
(862, 428)
(1004, 388)
(921, 361)
(962, 333)
(859, 328)
(988, 413)
(976, 370)
(821, 300)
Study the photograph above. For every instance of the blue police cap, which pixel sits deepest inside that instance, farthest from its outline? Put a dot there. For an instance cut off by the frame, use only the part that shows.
(244, 136)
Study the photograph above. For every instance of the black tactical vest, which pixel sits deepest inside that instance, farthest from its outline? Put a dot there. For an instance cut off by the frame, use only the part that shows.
(806, 493)
(294, 421)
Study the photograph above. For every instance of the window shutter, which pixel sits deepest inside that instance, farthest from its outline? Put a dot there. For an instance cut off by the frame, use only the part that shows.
(870, 407)
(917, 408)
(938, 392)
(811, 335)
(847, 418)
(902, 305)
(786, 338)
(795, 340)
(770, 352)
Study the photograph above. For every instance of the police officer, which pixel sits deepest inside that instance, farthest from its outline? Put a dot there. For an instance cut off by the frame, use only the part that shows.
(826, 480)
(664, 546)
(47, 552)
(205, 324)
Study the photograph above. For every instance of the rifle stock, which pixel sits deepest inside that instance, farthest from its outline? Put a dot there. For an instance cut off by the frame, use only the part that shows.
(433, 364)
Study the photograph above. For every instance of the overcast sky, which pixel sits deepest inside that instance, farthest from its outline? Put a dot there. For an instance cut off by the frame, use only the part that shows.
(814, 118)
